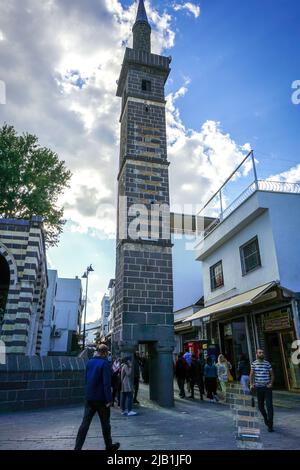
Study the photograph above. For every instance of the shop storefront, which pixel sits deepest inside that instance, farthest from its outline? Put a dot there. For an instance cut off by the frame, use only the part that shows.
(279, 336)
(264, 318)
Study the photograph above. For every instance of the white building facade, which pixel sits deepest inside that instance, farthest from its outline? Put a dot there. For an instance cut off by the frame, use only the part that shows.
(63, 311)
(105, 313)
(250, 261)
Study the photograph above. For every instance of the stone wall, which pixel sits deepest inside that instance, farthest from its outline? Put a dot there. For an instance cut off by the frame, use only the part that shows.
(38, 382)
(22, 245)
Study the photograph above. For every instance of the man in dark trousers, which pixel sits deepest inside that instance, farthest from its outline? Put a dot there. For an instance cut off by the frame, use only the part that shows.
(98, 398)
(181, 372)
(136, 376)
(262, 380)
(196, 376)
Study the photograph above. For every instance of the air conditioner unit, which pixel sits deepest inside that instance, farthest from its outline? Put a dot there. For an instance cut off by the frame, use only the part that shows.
(57, 334)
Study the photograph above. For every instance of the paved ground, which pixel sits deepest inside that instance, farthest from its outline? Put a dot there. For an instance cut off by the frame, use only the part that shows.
(191, 425)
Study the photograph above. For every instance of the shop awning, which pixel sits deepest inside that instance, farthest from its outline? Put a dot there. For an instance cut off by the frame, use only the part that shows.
(241, 300)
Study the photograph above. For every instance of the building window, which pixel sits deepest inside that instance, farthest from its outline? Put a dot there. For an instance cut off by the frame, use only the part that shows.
(146, 85)
(250, 256)
(216, 276)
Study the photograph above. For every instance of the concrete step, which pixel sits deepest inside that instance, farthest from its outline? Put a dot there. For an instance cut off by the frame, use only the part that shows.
(238, 402)
(247, 421)
(244, 431)
(248, 444)
(251, 412)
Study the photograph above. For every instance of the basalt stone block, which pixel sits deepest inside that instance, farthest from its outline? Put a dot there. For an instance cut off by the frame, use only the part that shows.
(3, 368)
(3, 395)
(56, 363)
(134, 318)
(30, 375)
(66, 393)
(53, 402)
(14, 377)
(54, 383)
(31, 394)
(47, 364)
(169, 318)
(77, 392)
(36, 363)
(48, 375)
(12, 363)
(12, 395)
(24, 363)
(33, 404)
(11, 406)
(156, 319)
(65, 363)
(53, 393)
(127, 332)
(36, 384)
(13, 385)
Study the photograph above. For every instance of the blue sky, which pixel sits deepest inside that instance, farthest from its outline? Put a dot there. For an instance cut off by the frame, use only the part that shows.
(233, 66)
(242, 57)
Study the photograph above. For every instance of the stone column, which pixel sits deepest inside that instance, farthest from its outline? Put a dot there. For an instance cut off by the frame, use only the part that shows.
(162, 376)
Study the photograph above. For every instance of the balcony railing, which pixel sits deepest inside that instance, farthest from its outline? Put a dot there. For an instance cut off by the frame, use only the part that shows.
(220, 207)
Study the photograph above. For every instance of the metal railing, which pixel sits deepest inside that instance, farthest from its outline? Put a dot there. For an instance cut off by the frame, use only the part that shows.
(217, 200)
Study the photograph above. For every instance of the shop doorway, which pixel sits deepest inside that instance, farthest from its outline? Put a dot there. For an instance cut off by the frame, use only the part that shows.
(234, 341)
(280, 350)
(274, 356)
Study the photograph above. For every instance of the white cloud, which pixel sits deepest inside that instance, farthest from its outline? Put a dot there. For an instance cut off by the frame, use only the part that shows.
(60, 60)
(290, 176)
(190, 7)
(200, 159)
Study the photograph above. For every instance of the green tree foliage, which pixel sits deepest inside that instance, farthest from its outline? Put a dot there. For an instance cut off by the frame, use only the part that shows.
(31, 180)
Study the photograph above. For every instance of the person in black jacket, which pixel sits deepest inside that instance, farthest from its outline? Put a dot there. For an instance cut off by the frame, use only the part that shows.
(181, 369)
(98, 398)
(196, 376)
(136, 376)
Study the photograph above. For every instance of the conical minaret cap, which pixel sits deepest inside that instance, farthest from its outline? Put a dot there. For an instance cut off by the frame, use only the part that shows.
(141, 16)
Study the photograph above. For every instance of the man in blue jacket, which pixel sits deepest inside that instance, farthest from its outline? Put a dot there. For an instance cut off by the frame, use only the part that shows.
(98, 398)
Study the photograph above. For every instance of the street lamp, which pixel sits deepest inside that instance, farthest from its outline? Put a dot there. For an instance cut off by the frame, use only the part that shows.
(89, 270)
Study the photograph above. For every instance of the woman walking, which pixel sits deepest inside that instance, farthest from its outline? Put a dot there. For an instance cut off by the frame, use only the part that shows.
(127, 388)
(211, 377)
(223, 367)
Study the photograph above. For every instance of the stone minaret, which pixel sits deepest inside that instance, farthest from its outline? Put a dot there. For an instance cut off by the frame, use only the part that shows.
(144, 281)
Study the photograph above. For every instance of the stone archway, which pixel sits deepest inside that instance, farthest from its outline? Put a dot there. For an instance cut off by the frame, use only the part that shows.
(4, 285)
(8, 279)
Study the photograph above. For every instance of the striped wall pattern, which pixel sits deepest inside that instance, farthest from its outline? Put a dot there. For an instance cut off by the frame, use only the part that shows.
(22, 245)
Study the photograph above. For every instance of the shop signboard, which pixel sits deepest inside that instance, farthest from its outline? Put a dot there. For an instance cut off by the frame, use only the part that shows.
(277, 320)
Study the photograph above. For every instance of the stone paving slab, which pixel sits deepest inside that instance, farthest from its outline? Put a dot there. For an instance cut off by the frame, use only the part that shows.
(191, 425)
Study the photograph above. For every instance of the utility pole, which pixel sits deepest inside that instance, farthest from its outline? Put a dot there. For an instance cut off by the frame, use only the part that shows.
(89, 270)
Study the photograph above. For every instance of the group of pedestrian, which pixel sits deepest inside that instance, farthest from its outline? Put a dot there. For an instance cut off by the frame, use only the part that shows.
(109, 380)
(125, 383)
(194, 371)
